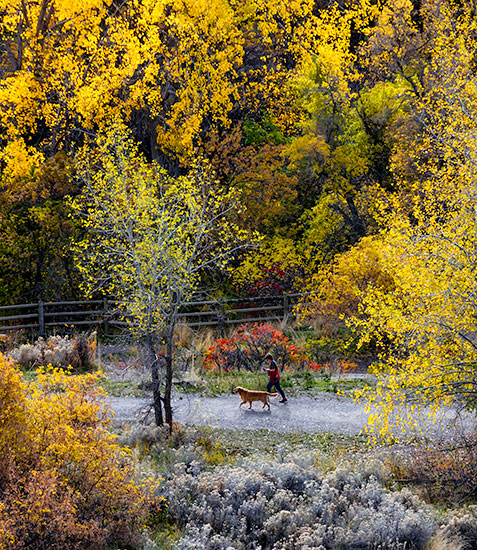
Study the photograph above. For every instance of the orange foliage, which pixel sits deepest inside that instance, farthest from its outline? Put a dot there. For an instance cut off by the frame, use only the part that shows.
(338, 289)
(248, 345)
(64, 482)
(258, 172)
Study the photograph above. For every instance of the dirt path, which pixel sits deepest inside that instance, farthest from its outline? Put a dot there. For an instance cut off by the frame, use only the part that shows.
(323, 412)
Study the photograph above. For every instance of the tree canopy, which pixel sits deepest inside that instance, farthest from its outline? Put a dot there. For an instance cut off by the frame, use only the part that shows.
(148, 239)
(345, 131)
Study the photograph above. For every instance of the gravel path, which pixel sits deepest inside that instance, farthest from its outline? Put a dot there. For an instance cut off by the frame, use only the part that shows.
(324, 412)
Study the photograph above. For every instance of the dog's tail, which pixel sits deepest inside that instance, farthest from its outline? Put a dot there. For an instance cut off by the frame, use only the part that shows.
(272, 394)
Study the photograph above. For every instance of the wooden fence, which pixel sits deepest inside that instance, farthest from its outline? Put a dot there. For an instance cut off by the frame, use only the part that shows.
(47, 317)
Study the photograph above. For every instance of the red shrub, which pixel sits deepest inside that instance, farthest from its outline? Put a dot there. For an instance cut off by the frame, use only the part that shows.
(247, 347)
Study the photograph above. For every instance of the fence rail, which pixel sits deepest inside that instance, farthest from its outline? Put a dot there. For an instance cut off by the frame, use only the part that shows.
(43, 317)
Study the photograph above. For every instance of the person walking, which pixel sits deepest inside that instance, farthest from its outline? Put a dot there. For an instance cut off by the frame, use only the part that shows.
(274, 376)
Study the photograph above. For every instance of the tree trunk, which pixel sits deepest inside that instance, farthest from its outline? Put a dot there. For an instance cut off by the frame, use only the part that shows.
(156, 382)
(156, 394)
(168, 390)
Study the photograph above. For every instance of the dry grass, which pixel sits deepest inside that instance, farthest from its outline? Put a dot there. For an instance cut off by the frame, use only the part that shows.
(441, 542)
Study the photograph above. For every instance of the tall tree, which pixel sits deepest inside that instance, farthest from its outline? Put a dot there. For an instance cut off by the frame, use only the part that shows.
(173, 69)
(341, 158)
(177, 72)
(149, 239)
(426, 318)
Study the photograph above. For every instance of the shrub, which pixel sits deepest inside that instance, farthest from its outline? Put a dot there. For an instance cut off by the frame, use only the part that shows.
(462, 528)
(284, 506)
(270, 281)
(57, 351)
(8, 340)
(330, 347)
(247, 347)
(445, 472)
(13, 414)
(65, 482)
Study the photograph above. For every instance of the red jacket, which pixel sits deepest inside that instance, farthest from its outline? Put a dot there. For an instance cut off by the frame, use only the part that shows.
(273, 373)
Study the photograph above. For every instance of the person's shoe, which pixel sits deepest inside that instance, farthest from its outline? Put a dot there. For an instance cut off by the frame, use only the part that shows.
(284, 400)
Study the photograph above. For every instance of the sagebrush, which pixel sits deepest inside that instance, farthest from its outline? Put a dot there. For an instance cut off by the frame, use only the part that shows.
(57, 351)
(267, 504)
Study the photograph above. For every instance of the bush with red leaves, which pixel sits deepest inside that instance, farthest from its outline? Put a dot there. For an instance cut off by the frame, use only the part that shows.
(247, 347)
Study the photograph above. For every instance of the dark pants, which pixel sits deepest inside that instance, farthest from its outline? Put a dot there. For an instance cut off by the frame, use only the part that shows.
(277, 387)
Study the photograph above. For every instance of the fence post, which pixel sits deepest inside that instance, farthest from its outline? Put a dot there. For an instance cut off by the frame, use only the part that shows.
(286, 306)
(41, 319)
(105, 316)
(221, 318)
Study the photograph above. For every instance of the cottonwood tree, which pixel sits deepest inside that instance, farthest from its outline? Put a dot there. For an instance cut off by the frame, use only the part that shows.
(427, 317)
(172, 69)
(411, 83)
(149, 238)
(176, 71)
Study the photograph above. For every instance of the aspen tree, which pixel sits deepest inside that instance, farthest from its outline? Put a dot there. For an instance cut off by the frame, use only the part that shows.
(149, 238)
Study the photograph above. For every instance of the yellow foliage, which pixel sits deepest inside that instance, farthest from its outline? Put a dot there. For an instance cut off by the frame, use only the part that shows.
(308, 146)
(276, 253)
(150, 236)
(69, 66)
(429, 315)
(412, 289)
(21, 169)
(13, 413)
(337, 289)
(64, 479)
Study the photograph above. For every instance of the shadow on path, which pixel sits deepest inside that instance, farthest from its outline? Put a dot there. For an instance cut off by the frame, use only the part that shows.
(321, 413)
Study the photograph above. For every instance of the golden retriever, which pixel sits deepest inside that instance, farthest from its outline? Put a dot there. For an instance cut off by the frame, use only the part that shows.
(249, 396)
